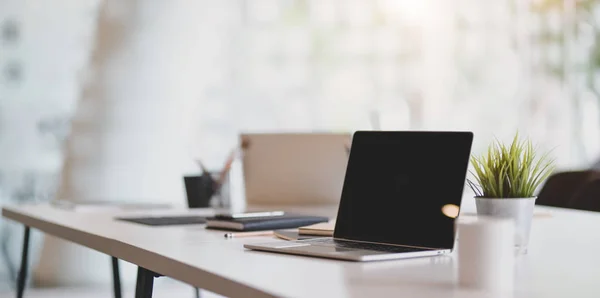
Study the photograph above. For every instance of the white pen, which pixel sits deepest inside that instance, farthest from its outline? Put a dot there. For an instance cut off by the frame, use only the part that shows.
(258, 214)
(248, 234)
(250, 215)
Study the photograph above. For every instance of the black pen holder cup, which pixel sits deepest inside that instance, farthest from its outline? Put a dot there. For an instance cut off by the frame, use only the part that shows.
(200, 190)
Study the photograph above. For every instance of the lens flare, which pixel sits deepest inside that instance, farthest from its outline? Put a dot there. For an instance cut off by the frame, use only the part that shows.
(450, 210)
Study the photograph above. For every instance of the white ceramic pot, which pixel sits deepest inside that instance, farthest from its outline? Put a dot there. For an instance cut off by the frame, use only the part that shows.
(518, 209)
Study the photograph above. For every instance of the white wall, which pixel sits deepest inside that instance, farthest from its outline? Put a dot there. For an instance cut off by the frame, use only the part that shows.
(130, 132)
(47, 42)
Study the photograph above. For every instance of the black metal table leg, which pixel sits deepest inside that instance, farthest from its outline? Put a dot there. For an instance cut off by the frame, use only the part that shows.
(22, 278)
(145, 283)
(116, 277)
(197, 292)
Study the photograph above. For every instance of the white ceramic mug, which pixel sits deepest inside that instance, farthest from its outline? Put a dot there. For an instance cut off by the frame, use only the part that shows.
(486, 254)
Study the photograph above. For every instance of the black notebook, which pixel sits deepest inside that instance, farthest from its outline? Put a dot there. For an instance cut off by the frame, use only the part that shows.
(288, 221)
(166, 220)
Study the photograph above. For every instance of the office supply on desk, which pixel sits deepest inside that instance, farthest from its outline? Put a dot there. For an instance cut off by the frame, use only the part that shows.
(229, 162)
(291, 235)
(199, 190)
(105, 206)
(226, 168)
(288, 221)
(486, 254)
(296, 168)
(166, 220)
(249, 214)
(396, 187)
(320, 229)
(248, 234)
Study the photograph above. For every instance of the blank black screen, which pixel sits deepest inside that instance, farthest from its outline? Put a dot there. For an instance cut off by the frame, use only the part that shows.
(397, 184)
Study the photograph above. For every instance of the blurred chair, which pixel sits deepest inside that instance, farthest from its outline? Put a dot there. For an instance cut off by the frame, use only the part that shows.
(560, 188)
(588, 197)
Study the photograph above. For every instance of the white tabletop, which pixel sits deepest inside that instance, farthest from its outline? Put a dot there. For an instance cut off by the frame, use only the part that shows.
(563, 258)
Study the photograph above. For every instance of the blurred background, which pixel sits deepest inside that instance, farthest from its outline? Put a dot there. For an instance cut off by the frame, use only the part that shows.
(117, 98)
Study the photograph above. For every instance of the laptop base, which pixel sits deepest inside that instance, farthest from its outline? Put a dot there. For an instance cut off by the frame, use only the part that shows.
(303, 248)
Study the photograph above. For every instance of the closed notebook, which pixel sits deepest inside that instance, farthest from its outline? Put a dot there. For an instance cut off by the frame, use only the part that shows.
(320, 229)
(287, 221)
(292, 235)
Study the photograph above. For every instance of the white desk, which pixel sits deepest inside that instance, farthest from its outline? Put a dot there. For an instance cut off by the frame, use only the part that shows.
(563, 259)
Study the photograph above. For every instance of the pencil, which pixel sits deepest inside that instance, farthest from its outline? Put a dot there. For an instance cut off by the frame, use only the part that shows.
(248, 234)
(229, 162)
(201, 165)
(226, 167)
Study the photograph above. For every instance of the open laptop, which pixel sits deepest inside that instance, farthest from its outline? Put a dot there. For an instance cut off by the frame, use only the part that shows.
(400, 198)
(294, 168)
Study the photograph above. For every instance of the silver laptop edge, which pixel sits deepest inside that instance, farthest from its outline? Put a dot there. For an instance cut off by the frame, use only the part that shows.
(361, 255)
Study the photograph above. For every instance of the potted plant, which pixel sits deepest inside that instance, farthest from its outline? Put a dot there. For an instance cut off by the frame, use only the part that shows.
(505, 180)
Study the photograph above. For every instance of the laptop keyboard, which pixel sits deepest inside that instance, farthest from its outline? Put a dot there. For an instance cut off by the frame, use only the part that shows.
(360, 245)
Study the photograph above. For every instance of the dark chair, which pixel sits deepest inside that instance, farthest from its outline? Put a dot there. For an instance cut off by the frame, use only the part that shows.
(588, 197)
(560, 188)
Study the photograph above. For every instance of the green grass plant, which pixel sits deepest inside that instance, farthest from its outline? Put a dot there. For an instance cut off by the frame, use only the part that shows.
(509, 171)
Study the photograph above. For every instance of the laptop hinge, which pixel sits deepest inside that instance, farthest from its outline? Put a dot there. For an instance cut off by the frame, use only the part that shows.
(383, 243)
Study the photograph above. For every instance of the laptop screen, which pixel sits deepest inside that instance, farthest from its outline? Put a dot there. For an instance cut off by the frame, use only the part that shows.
(403, 187)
